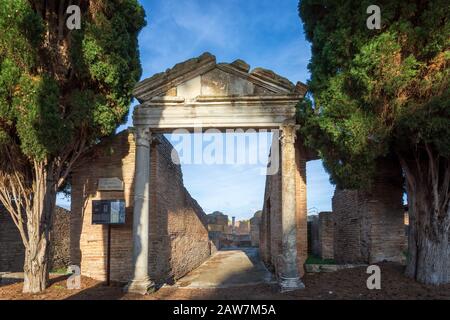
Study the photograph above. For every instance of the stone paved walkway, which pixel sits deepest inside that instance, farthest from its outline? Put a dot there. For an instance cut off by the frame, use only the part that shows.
(228, 268)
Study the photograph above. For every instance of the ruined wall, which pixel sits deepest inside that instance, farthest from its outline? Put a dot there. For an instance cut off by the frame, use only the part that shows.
(270, 243)
(12, 252)
(270, 229)
(255, 223)
(326, 235)
(369, 224)
(322, 235)
(178, 227)
(217, 228)
(314, 235)
(348, 245)
(178, 237)
(60, 240)
(301, 155)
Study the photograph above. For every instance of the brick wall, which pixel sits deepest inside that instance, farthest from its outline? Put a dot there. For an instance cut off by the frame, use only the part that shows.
(326, 235)
(12, 252)
(301, 154)
(178, 237)
(270, 229)
(369, 224)
(322, 235)
(60, 239)
(255, 223)
(314, 235)
(347, 245)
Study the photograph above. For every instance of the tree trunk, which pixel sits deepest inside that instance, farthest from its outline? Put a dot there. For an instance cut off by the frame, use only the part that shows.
(432, 260)
(39, 222)
(36, 266)
(429, 219)
(428, 260)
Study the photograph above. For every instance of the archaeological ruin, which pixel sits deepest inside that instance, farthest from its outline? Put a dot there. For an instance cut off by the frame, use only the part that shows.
(155, 243)
(133, 221)
(255, 224)
(176, 224)
(163, 233)
(12, 250)
(369, 223)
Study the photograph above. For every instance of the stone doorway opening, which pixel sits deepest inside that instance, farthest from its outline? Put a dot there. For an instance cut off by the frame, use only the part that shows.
(219, 96)
(226, 172)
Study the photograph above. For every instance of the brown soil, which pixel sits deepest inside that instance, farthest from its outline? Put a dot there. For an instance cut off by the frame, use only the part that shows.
(344, 284)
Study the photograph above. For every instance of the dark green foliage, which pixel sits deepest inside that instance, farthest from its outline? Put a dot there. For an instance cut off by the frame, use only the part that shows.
(71, 85)
(375, 91)
(61, 91)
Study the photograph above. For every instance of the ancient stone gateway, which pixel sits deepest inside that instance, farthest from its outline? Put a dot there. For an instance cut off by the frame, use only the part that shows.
(221, 96)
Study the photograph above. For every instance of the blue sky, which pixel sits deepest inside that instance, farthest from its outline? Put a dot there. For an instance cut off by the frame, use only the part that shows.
(264, 33)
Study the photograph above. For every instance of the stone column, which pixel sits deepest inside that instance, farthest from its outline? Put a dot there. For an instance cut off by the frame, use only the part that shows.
(289, 276)
(141, 283)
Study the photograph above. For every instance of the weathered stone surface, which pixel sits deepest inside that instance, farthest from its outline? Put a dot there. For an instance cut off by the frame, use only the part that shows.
(190, 89)
(140, 282)
(241, 64)
(300, 88)
(219, 83)
(270, 75)
(216, 95)
(163, 82)
(178, 237)
(220, 79)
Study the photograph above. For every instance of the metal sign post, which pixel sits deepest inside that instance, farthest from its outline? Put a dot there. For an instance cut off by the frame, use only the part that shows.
(108, 257)
(108, 212)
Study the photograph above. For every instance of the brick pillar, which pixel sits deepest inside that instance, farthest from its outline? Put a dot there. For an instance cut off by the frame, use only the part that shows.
(289, 276)
(141, 283)
(369, 223)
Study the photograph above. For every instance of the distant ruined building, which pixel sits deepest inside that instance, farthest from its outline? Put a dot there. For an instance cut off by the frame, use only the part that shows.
(225, 234)
(218, 227)
(255, 227)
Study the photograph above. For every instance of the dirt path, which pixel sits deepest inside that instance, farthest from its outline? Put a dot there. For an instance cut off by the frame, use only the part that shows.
(344, 284)
(228, 268)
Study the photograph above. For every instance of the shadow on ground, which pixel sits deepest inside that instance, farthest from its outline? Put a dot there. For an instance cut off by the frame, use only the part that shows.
(228, 268)
(343, 284)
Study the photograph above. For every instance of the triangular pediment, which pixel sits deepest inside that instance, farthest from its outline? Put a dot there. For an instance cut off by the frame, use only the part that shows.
(203, 77)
